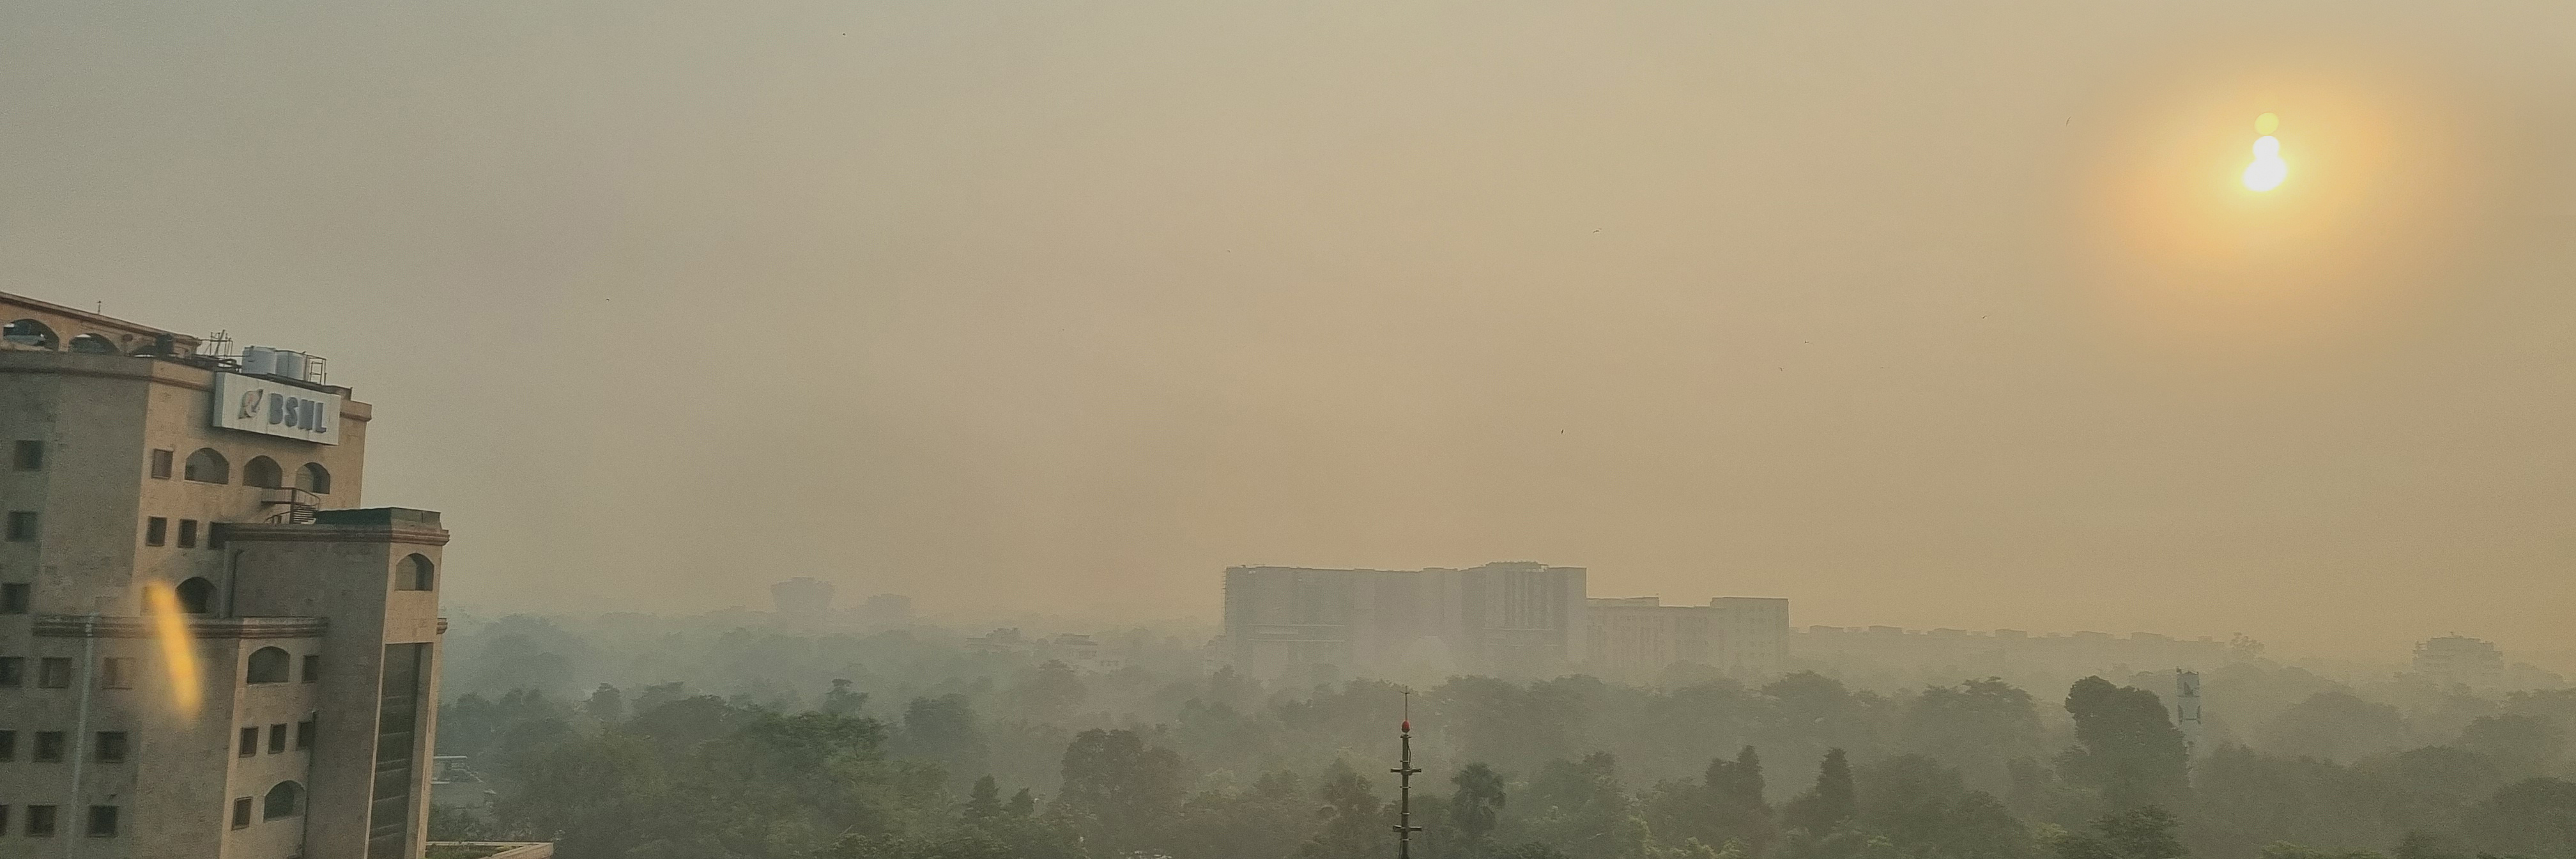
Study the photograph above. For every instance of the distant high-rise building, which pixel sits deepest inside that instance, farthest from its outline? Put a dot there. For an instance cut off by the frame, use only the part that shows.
(802, 598)
(1636, 638)
(1506, 619)
(212, 650)
(1633, 639)
(1752, 634)
(2460, 659)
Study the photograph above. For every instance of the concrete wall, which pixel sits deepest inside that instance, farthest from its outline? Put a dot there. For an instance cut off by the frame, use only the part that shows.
(69, 323)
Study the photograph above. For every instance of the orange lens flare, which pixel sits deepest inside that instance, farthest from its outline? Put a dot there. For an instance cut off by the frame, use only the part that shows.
(177, 650)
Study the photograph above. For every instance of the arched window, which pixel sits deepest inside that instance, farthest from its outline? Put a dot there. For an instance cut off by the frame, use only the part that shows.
(207, 466)
(29, 332)
(197, 596)
(284, 800)
(314, 478)
(415, 574)
(92, 344)
(262, 472)
(268, 665)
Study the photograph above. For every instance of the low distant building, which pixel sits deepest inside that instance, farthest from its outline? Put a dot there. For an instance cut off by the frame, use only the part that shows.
(886, 611)
(1083, 652)
(1949, 654)
(453, 783)
(802, 598)
(1005, 640)
(2460, 659)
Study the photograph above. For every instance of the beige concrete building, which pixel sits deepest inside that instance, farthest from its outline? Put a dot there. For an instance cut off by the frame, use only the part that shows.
(1302, 624)
(1635, 639)
(208, 650)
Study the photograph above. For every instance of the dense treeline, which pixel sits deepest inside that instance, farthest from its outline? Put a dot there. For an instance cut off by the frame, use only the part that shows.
(927, 750)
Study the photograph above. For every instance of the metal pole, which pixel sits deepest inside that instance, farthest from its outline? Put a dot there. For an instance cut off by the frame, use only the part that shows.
(1404, 771)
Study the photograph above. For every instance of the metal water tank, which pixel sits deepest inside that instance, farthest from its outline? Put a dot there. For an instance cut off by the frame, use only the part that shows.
(258, 360)
(290, 365)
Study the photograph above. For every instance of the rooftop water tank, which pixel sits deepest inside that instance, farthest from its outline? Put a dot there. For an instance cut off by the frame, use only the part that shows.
(258, 360)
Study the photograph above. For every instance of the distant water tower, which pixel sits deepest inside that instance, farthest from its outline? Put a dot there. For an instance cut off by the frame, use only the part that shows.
(2187, 709)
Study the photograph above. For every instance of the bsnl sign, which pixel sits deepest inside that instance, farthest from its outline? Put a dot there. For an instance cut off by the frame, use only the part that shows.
(275, 408)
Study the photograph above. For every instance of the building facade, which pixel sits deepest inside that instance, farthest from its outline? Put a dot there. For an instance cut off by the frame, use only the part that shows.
(208, 649)
(2459, 659)
(1635, 639)
(803, 598)
(1318, 625)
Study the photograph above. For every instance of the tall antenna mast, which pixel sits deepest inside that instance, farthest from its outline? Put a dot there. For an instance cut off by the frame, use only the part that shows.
(1404, 771)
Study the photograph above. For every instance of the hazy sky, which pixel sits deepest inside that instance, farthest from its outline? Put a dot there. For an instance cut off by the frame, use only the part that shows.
(1917, 314)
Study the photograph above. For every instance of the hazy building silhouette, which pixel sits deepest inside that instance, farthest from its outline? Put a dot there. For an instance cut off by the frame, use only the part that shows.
(886, 611)
(154, 490)
(1895, 654)
(2460, 659)
(802, 598)
(1304, 624)
(1636, 638)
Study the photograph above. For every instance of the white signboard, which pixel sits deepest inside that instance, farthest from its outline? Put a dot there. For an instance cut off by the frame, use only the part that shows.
(275, 408)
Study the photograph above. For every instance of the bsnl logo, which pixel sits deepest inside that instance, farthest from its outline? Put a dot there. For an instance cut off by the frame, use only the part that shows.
(285, 411)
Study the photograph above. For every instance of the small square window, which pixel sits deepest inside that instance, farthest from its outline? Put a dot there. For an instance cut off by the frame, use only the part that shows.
(312, 668)
(277, 738)
(54, 672)
(8, 745)
(216, 534)
(111, 747)
(304, 734)
(156, 531)
(116, 672)
(13, 598)
(241, 813)
(13, 672)
(161, 460)
(27, 455)
(40, 821)
(102, 821)
(49, 747)
(249, 741)
(22, 525)
(187, 533)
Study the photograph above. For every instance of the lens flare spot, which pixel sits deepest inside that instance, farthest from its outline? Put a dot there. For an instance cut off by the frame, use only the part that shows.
(2266, 124)
(177, 651)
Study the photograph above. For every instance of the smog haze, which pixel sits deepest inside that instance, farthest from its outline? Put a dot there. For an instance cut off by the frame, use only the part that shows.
(1928, 317)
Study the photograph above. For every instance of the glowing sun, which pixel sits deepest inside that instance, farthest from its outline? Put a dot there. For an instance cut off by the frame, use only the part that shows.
(2268, 169)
